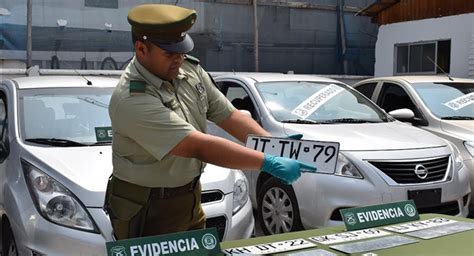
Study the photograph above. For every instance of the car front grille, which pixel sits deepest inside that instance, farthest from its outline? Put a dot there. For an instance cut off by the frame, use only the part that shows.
(219, 223)
(211, 196)
(404, 172)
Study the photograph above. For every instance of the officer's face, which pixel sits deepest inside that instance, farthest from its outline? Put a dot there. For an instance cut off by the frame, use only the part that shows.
(163, 64)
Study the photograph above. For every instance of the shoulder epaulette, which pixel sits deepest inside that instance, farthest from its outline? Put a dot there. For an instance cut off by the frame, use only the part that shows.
(137, 86)
(192, 59)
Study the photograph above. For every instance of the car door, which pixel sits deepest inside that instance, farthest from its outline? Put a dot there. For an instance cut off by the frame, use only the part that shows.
(239, 95)
(393, 96)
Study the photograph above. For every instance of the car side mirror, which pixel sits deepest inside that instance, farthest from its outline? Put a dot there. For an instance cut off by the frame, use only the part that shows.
(403, 114)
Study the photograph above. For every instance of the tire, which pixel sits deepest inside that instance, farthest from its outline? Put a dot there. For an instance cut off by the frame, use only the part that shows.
(9, 245)
(278, 210)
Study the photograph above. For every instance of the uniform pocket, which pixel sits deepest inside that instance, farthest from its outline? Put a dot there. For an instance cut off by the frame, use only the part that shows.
(126, 217)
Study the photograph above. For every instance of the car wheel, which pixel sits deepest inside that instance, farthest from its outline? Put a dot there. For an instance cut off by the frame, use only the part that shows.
(9, 245)
(278, 210)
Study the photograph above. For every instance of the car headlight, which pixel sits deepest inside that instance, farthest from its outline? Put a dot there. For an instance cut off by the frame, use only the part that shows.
(470, 147)
(54, 202)
(241, 191)
(346, 168)
(457, 159)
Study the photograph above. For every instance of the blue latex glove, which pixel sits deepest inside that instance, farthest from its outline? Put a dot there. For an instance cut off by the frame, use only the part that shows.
(286, 169)
(297, 136)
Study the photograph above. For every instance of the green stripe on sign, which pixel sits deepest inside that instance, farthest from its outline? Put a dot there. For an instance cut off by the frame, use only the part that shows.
(379, 215)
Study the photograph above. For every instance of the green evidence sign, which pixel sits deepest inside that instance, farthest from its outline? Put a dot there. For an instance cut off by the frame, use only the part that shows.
(196, 242)
(379, 215)
(103, 133)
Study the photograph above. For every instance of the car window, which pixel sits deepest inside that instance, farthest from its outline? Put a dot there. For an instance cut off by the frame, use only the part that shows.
(66, 113)
(394, 97)
(367, 89)
(316, 101)
(239, 98)
(448, 100)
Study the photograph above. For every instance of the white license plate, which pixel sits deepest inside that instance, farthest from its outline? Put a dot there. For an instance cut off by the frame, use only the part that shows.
(322, 154)
(270, 248)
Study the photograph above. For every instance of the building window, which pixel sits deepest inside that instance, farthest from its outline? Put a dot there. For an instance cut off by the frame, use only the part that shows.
(113, 4)
(420, 58)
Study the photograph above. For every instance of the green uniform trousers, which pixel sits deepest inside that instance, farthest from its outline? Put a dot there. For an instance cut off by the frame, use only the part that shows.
(137, 211)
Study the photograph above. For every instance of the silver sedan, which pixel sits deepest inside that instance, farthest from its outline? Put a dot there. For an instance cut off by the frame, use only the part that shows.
(381, 160)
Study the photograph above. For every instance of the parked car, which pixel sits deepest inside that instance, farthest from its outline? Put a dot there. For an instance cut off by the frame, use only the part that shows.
(381, 160)
(438, 104)
(55, 165)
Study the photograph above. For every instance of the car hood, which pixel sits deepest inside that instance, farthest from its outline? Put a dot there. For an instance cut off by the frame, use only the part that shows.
(370, 136)
(86, 171)
(463, 129)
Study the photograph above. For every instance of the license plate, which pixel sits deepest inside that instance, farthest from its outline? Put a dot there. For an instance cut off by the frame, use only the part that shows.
(270, 248)
(425, 197)
(322, 154)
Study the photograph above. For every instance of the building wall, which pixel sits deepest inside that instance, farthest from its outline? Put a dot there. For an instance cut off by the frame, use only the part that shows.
(459, 28)
(304, 40)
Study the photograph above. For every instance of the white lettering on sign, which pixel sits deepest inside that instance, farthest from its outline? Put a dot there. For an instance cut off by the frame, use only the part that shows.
(109, 133)
(413, 226)
(381, 214)
(460, 102)
(311, 104)
(349, 236)
(165, 247)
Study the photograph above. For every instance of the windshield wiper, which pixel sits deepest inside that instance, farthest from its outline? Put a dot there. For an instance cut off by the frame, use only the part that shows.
(300, 121)
(100, 143)
(349, 121)
(57, 142)
(457, 118)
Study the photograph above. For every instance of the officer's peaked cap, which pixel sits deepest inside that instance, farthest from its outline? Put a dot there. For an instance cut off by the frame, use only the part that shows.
(164, 25)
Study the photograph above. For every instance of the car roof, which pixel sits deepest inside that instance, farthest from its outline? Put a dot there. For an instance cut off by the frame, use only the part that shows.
(63, 81)
(275, 77)
(421, 79)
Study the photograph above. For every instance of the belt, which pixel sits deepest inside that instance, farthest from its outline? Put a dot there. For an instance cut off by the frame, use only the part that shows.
(163, 193)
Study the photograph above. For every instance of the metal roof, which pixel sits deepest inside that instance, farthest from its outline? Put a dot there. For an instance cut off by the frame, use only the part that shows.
(375, 8)
(421, 79)
(277, 77)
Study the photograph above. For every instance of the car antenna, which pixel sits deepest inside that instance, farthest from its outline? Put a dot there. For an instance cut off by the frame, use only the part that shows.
(444, 72)
(88, 82)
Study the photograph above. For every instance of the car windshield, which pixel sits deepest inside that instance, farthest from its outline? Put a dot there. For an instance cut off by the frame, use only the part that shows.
(64, 116)
(448, 100)
(317, 102)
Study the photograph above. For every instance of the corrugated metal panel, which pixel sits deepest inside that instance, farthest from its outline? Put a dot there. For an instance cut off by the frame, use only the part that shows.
(407, 10)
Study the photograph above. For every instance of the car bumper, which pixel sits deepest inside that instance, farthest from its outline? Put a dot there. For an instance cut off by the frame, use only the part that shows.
(319, 207)
(45, 238)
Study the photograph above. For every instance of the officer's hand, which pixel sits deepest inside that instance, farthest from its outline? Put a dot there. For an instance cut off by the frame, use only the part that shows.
(297, 136)
(286, 169)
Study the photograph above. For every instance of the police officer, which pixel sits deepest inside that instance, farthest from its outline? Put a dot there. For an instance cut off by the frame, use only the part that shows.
(160, 146)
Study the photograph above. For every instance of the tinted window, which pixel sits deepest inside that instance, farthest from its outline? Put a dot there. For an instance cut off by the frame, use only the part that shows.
(394, 97)
(367, 89)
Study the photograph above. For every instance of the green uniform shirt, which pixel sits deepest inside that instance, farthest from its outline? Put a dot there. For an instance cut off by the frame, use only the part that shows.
(152, 119)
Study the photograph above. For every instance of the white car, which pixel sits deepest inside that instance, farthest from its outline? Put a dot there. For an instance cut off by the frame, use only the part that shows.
(381, 160)
(438, 104)
(54, 169)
